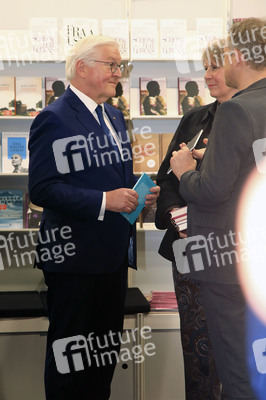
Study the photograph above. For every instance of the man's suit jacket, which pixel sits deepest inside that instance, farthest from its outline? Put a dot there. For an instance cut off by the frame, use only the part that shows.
(213, 192)
(68, 172)
(191, 123)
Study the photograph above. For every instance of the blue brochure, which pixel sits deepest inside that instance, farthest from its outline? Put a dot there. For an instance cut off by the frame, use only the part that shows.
(142, 187)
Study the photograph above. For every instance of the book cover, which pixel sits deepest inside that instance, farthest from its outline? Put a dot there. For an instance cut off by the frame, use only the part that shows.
(28, 95)
(32, 214)
(118, 29)
(142, 187)
(153, 96)
(208, 29)
(146, 153)
(121, 98)
(44, 37)
(15, 154)
(166, 139)
(191, 94)
(172, 38)
(75, 29)
(144, 39)
(7, 96)
(54, 88)
(11, 209)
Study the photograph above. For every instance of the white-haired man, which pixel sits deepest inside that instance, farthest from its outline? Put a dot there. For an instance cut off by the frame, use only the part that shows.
(81, 174)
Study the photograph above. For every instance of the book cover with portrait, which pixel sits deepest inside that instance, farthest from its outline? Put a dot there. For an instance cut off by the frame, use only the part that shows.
(54, 88)
(28, 95)
(191, 94)
(11, 209)
(153, 96)
(15, 154)
(121, 98)
(7, 96)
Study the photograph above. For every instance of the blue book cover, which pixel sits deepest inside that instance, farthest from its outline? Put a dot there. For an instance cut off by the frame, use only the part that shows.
(142, 187)
(15, 154)
(11, 209)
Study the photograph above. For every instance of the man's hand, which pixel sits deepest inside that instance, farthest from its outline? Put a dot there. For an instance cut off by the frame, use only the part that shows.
(199, 153)
(122, 200)
(152, 198)
(182, 161)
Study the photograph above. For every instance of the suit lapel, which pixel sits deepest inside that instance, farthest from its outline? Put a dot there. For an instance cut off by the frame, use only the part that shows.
(88, 121)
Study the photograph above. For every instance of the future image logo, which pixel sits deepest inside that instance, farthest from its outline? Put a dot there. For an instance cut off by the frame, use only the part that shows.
(71, 354)
(259, 350)
(259, 149)
(191, 254)
(71, 154)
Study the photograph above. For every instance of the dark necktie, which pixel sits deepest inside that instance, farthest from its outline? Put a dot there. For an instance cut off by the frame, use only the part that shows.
(99, 111)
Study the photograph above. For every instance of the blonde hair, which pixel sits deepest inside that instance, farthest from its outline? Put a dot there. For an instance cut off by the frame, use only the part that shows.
(214, 52)
(85, 50)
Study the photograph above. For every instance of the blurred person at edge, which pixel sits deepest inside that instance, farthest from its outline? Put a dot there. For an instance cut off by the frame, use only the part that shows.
(86, 292)
(212, 191)
(201, 378)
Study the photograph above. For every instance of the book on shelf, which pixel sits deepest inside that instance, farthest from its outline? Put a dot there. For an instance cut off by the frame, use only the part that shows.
(54, 88)
(163, 300)
(11, 209)
(75, 29)
(191, 94)
(146, 153)
(166, 139)
(32, 214)
(15, 154)
(28, 95)
(153, 96)
(208, 29)
(142, 187)
(7, 96)
(172, 38)
(144, 37)
(121, 98)
(44, 40)
(118, 29)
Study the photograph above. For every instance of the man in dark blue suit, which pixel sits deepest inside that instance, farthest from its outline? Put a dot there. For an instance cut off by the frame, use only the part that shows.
(81, 174)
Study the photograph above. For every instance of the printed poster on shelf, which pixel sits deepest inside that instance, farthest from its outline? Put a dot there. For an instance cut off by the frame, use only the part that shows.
(15, 154)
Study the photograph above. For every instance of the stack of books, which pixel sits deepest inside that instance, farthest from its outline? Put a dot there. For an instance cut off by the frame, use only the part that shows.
(163, 301)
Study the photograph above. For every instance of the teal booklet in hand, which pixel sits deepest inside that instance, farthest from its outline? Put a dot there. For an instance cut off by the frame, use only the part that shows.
(142, 187)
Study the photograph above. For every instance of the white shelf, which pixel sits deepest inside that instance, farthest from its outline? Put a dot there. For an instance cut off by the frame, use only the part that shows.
(174, 116)
(16, 117)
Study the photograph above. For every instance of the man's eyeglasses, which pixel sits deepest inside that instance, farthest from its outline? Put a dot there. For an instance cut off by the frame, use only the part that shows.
(113, 65)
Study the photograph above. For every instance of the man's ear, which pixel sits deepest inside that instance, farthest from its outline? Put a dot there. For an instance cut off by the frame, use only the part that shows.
(81, 68)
